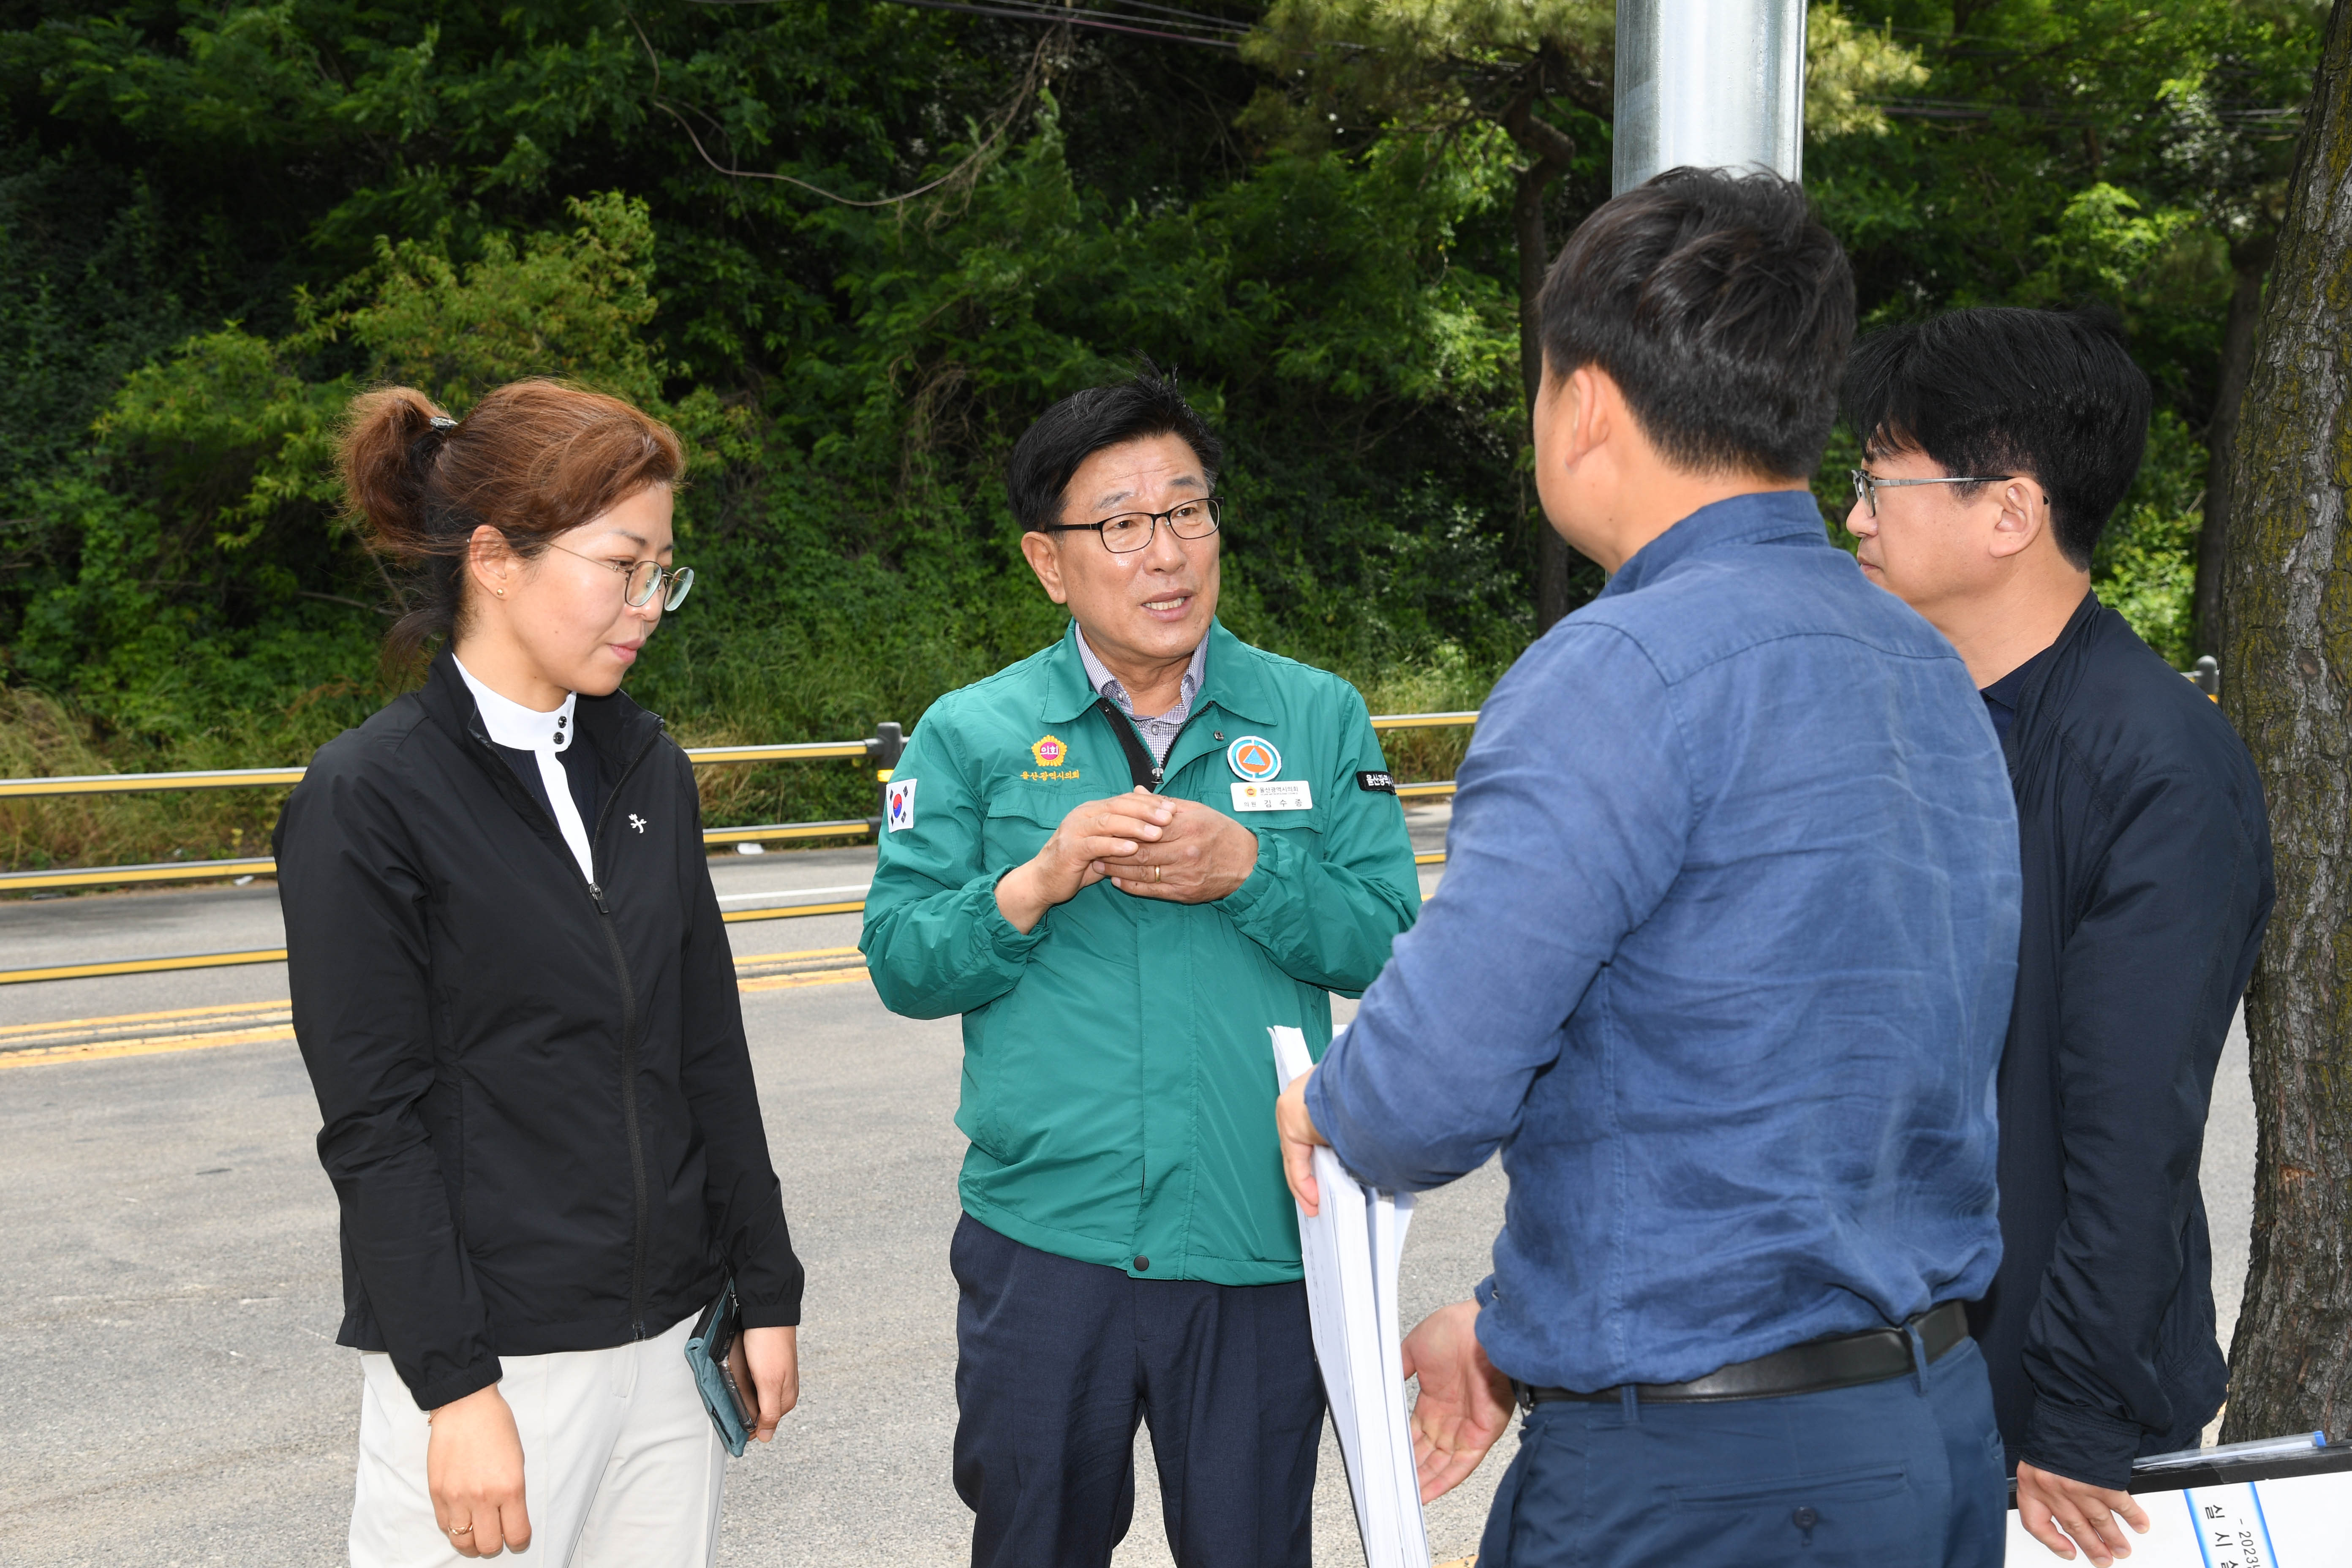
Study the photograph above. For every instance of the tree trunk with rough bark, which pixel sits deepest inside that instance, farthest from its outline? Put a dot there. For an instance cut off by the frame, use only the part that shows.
(1549, 153)
(2287, 686)
(2250, 262)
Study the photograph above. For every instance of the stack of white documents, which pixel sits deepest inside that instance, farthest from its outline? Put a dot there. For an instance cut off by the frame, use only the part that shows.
(1351, 1248)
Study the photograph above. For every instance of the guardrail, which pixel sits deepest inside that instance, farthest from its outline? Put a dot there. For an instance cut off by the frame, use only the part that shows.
(883, 748)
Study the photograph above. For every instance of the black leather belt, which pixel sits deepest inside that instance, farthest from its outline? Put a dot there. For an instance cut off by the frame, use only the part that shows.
(1845, 1360)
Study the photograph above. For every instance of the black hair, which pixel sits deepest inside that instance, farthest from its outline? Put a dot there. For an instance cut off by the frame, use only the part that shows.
(1150, 402)
(1721, 308)
(2049, 395)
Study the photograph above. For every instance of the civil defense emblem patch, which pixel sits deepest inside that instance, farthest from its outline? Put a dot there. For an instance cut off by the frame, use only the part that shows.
(1252, 757)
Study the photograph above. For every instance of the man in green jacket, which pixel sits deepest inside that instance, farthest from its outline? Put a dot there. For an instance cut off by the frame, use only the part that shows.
(1122, 860)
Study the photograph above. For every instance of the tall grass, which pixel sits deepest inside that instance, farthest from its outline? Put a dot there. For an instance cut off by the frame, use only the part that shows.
(42, 737)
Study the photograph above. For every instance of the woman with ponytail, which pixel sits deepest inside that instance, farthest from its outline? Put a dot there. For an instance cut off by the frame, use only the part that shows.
(517, 1002)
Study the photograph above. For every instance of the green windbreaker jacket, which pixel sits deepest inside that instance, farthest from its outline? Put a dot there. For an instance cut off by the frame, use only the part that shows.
(1119, 1084)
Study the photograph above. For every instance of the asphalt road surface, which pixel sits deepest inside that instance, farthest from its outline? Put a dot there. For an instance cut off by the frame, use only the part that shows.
(169, 1285)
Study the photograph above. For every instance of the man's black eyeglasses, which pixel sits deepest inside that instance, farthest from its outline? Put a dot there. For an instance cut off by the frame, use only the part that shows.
(1867, 484)
(1132, 531)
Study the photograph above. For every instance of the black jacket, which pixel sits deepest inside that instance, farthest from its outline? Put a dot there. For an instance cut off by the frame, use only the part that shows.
(2148, 882)
(540, 1118)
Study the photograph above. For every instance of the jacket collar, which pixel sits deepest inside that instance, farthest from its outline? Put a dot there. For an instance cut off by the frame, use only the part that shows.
(614, 725)
(2075, 636)
(1740, 520)
(1236, 679)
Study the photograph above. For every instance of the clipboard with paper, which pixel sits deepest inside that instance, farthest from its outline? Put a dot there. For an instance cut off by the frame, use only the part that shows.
(1350, 1251)
(2246, 1505)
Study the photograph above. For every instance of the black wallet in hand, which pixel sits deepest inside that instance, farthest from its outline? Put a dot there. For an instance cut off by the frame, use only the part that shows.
(715, 1351)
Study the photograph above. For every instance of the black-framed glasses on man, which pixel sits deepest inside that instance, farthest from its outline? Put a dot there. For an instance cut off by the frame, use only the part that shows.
(1132, 531)
(641, 580)
(1866, 486)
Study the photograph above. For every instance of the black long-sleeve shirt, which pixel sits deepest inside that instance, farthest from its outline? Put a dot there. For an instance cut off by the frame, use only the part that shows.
(2148, 882)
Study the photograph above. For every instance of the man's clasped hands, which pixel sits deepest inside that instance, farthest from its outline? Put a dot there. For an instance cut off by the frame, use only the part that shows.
(1152, 845)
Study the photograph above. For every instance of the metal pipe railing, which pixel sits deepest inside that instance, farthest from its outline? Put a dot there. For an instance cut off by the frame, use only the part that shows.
(282, 778)
(148, 783)
(883, 748)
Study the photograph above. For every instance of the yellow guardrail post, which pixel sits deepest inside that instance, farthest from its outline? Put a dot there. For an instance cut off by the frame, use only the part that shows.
(883, 750)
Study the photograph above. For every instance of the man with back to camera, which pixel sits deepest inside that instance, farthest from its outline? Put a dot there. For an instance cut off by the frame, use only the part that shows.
(1997, 443)
(1720, 963)
(1121, 859)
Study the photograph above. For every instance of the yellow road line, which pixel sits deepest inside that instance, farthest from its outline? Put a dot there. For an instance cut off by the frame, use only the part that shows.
(143, 965)
(278, 956)
(789, 957)
(152, 1046)
(250, 1018)
(122, 1018)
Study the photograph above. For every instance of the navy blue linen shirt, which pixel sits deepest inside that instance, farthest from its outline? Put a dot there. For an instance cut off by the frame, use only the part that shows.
(1722, 963)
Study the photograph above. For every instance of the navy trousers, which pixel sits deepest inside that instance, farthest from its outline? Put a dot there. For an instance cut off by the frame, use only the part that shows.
(1907, 1472)
(1057, 1363)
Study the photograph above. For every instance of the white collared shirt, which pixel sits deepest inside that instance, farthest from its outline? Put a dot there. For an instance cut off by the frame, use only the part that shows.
(1159, 731)
(545, 736)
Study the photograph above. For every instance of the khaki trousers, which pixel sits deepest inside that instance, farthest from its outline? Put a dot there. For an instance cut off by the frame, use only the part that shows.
(621, 1467)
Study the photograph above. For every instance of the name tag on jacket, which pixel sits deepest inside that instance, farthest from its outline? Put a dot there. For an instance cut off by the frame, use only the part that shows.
(1291, 795)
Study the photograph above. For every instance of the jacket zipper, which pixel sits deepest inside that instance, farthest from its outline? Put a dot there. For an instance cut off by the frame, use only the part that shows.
(1159, 777)
(644, 1225)
(1159, 768)
(628, 1053)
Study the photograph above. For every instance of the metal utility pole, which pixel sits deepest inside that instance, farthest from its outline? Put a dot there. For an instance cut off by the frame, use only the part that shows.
(1718, 84)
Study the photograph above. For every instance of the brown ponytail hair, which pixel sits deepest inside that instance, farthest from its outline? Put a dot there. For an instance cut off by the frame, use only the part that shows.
(533, 459)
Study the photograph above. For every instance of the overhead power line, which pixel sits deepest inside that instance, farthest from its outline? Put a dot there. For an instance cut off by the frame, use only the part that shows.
(1130, 18)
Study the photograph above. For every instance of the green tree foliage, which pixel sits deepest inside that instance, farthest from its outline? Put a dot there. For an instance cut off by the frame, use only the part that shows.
(2061, 152)
(851, 246)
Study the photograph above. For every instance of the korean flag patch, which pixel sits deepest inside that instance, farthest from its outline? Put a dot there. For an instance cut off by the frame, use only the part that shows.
(898, 803)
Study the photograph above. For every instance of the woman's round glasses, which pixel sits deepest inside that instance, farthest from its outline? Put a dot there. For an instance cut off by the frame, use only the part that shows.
(642, 579)
(1133, 529)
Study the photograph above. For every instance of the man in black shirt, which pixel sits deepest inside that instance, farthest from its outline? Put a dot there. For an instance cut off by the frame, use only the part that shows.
(1996, 444)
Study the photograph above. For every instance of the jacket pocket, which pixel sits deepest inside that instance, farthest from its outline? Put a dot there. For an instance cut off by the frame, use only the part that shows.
(1019, 822)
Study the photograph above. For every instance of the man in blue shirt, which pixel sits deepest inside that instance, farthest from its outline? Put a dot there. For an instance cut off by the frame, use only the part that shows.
(1721, 963)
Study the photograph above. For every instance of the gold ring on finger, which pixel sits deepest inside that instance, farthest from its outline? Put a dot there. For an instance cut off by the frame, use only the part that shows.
(1155, 873)
(461, 1530)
